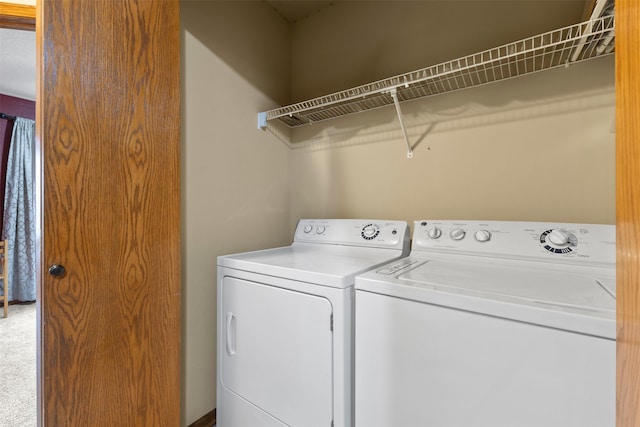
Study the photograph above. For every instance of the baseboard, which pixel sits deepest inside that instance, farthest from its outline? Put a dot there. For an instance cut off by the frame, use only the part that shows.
(208, 420)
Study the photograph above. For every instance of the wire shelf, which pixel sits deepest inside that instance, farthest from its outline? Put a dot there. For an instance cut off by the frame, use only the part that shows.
(558, 48)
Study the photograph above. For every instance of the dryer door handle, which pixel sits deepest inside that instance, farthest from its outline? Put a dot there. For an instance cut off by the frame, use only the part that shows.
(231, 334)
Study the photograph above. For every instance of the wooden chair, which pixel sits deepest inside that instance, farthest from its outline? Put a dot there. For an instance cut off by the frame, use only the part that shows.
(4, 298)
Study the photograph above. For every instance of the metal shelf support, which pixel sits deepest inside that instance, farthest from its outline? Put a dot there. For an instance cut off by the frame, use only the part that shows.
(394, 94)
(262, 121)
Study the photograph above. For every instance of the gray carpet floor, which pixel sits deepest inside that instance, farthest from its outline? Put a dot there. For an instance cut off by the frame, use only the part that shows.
(18, 406)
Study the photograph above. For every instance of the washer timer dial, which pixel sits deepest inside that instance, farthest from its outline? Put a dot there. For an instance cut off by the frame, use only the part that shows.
(558, 241)
(370, 231)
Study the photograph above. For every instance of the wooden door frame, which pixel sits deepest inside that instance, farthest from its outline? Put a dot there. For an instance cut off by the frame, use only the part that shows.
(17, 16)
(627, 213)
(23, 17)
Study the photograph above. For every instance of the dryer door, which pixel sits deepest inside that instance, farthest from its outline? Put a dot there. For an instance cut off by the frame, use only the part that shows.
(278, 351)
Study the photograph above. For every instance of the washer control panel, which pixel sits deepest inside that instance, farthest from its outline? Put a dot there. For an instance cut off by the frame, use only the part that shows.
(592, 243)
(374, 233)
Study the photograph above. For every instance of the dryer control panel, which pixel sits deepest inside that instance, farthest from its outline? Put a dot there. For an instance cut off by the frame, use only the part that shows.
(355, 232)
(588, 243)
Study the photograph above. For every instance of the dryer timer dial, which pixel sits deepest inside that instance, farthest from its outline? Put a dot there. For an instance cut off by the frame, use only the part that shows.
(370, 231)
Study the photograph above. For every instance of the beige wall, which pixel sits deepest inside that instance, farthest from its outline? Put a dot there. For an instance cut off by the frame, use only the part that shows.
(536, 148)
(358, 42)
(539, 147)
(235, 178)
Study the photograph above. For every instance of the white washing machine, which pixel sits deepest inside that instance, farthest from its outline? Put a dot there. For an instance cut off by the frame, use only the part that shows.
(285, 324)
(490, 324)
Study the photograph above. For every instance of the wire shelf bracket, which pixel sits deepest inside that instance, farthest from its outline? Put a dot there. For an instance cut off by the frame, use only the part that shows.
(558, 48)
(394, 94)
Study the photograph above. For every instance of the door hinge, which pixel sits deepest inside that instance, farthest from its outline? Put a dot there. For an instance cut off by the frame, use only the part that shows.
(331, 328)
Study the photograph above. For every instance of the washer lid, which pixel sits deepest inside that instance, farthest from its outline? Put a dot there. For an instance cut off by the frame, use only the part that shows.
(572, 298)
(327, 265)
(545, 287)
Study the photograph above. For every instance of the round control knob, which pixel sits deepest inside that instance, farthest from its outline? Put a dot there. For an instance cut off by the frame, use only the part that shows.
(458, 234)
(483, 235)
(559, 241)
(370, 231)
(558, 237)
(434, 233)
(307, 228)
(320, 229)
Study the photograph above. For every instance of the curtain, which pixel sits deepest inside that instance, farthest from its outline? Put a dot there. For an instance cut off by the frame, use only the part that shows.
(19, 213)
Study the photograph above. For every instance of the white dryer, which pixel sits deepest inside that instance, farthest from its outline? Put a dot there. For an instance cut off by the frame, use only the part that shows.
(285, 323)
(490, 324)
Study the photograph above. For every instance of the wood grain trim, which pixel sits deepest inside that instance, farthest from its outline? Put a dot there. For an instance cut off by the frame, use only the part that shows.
(628, 211)
(17, 16)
